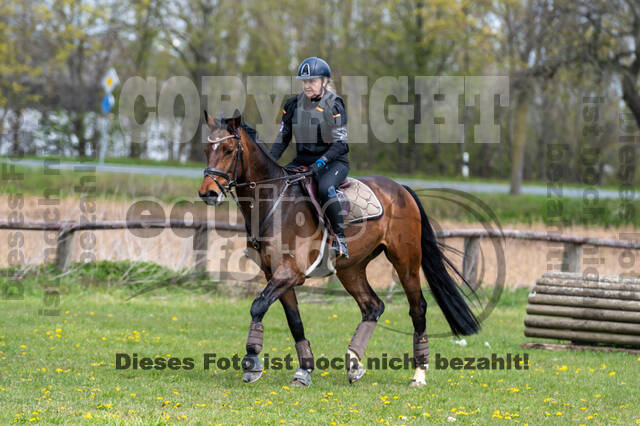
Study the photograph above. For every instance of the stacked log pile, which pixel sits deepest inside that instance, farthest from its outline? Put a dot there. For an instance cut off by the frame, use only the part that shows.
(585, 309)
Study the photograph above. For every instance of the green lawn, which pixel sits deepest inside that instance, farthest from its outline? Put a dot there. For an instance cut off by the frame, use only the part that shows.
(61, 368)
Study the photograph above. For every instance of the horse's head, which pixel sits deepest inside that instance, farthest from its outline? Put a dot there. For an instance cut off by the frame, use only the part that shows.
(223, 150)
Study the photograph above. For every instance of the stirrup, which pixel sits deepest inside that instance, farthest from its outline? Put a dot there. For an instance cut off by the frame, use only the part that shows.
(339, 248)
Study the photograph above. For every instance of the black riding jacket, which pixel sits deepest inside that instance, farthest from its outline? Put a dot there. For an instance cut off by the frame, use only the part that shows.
(320, 128)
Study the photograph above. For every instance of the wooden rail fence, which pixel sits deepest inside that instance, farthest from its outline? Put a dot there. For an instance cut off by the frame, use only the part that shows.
(571, 258)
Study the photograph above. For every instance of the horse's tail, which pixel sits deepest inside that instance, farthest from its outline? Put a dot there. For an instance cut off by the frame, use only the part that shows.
(460, 318)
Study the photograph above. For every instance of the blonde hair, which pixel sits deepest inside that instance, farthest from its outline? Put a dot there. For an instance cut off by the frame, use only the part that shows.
(330, 87)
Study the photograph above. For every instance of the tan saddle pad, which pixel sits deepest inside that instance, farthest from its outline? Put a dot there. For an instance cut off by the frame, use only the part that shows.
(363, 202)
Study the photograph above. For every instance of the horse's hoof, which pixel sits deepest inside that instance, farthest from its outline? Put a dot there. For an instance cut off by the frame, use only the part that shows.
(301, 378)
(251, 368)
(355, 374)
(251, 376)
(417, 383)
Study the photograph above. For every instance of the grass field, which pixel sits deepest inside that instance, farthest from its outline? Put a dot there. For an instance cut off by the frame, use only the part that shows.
(56, 369)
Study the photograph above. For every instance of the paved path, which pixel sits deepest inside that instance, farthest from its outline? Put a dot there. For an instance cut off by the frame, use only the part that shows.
(472, 187)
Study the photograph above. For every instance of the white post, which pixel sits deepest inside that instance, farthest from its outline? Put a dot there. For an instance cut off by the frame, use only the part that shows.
(465, 164)
(104, 140)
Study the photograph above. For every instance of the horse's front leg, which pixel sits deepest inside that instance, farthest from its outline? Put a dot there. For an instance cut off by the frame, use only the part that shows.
(302, 376)
(284, 279)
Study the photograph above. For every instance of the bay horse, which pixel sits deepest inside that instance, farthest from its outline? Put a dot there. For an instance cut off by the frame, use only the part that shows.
(240, 166)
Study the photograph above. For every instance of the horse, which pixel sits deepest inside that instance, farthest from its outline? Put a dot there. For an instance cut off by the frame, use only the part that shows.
(240, 166)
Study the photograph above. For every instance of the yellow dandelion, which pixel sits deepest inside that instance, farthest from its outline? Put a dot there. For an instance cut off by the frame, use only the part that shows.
(174, 318)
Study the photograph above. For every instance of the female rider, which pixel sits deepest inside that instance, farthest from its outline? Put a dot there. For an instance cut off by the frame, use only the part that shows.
(318, 120)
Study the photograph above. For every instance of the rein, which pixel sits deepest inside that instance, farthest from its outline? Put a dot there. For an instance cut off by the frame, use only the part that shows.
(232, 185)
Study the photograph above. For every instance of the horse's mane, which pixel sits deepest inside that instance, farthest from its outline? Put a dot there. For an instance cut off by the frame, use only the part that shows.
(253, 136)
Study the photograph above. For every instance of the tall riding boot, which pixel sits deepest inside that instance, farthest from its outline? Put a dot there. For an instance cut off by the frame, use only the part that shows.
(334, 213)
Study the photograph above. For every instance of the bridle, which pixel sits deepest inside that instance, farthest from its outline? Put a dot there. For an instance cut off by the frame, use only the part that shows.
(238, 157)
(233, 184)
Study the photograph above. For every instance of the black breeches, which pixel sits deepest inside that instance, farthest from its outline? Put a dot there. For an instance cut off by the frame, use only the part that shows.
(329, 178)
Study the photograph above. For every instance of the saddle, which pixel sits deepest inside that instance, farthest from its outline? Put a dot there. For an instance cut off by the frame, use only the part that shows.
(358, 201)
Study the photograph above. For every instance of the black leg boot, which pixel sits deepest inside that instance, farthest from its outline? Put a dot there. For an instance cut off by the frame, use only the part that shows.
(334, 213)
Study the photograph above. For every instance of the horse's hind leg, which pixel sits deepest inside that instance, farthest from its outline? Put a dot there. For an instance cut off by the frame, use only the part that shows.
(354, 280)
(408, 269)
(302, 376)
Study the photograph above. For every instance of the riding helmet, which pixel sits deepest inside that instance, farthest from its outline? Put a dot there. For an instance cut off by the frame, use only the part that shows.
(313, 67)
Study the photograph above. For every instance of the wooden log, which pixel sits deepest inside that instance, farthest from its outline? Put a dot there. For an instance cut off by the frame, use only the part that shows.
(587, 284)
(586, 292)
(470, 260)
(582, 336)
(390, 291)
(582, 324)
(572, 257)
(200, 247)
(102, 225)
(570, 347)
(395, 279)
(617, 279)
(537, 236)
(586, 302)
(64, 248)
(586, 313)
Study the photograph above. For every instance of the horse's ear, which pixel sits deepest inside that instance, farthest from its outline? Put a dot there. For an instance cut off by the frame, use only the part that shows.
(209, 120)
(236, 120)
